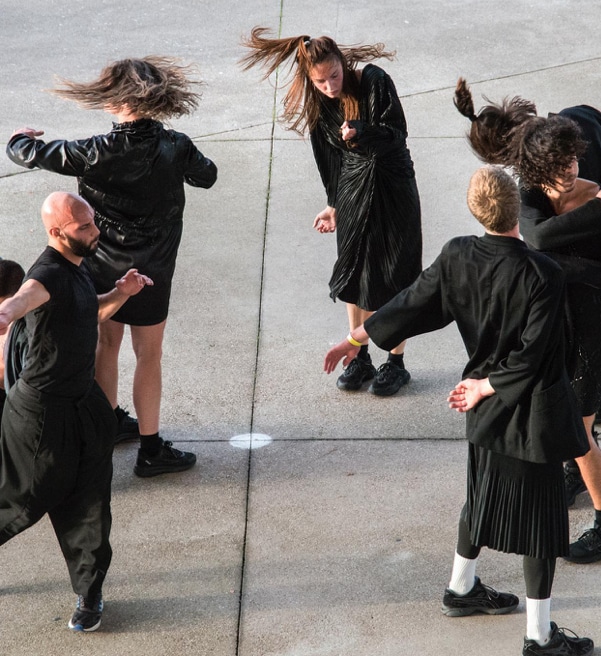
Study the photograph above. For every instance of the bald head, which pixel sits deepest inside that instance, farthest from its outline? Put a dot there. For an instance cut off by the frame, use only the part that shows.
(61, 208)
(69, 222)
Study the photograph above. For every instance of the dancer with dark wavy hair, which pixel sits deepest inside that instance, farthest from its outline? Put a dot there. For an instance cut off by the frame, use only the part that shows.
(493, 126)
(134, 179)
(359, 137)
(561, 213)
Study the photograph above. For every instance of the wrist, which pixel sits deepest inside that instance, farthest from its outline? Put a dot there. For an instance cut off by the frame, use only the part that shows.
(352, 341)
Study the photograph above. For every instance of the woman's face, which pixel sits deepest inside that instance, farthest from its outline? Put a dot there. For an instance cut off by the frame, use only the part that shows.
(328, 77)
(566, 180)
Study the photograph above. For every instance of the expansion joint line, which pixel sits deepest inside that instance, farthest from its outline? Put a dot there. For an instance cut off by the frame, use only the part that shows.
(257, 352)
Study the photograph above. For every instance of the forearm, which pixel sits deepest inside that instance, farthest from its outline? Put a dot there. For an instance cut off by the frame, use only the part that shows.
(109, 303)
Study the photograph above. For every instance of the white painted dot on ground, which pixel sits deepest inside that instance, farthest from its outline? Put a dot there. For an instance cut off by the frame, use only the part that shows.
(250, 441)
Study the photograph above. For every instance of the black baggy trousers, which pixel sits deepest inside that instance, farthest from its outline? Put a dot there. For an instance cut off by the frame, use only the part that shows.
(56, 458)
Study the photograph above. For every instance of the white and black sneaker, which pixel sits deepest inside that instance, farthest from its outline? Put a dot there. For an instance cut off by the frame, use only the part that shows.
(480, 599)
(559, 644)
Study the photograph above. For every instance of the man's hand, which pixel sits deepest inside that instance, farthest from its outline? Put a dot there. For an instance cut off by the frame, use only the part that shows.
(132, 283)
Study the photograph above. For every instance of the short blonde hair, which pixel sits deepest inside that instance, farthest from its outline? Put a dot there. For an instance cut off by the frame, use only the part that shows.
(493, 198)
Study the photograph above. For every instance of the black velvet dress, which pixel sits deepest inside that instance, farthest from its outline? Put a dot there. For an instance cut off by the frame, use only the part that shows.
(371, 183)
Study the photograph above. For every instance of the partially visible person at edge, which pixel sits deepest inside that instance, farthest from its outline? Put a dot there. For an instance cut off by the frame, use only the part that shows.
(11, 277)
(522, 419)
(359, 138)
(561, 216)
(134, 179)
(58, 428)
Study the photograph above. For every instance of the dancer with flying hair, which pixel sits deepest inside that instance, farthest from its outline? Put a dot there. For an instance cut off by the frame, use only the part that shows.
(359, 137)
(134, 179)
(561, 215)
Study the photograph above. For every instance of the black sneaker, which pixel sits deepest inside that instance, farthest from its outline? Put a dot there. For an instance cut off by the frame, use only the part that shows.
(358, 372)
(127, 426)
(389, 379)
(480, 599)
(573, 482)
(587, 548)
(167, 461)
(88, 614)
(559, 645)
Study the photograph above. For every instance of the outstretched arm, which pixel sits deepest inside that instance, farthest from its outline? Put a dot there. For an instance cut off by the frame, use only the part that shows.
(131, 284)
(30, 296)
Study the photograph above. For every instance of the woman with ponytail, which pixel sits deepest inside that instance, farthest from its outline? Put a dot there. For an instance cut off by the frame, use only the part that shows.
(358, 133)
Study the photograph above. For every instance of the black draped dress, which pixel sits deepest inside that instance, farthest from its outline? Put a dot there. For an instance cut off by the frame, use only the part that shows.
(371, 183)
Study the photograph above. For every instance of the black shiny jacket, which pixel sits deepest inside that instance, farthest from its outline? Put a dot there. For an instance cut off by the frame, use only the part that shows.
(134, 175)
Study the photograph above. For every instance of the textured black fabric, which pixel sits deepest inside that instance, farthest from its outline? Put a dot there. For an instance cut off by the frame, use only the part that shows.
(516, 506)
(134, 179)
(371, 183)
(507, 301)
(63, 332)
(576, 234)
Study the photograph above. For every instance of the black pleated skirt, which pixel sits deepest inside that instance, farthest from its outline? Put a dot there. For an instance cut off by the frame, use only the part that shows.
(516, 506)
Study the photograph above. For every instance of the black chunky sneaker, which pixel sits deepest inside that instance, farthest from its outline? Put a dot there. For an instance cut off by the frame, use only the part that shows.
(167, 461)
(88, 614)
(358, 372)
(559, 645)
(587, 548)
(480, 599)
(127, 426)
(389, 379)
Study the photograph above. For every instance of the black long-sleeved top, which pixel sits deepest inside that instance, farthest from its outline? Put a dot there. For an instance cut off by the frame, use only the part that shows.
(507, 301)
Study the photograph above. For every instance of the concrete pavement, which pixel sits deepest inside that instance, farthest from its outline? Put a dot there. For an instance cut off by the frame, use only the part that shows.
(336, 536)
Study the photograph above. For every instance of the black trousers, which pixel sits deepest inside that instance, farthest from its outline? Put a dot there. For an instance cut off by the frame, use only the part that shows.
(56, 458)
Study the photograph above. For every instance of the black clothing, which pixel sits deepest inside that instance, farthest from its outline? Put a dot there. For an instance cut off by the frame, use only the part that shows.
(576, 237)
(58, 428)
(371, 183)
(134, 178)
(507, 301)
(526, 501)
(589, 120)
(61, 353)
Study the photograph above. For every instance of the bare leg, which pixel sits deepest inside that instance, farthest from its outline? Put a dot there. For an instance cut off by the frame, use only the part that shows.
(590, 464)
(110, 336)
(356, 316)
(147, 342)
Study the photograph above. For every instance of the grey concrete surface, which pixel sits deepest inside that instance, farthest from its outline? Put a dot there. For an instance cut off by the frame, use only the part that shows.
(335, 538)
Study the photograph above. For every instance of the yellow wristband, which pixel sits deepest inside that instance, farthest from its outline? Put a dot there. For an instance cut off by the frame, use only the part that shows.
(352, 341)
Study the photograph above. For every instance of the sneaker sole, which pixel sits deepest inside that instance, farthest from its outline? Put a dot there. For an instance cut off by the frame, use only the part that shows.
(584, 560)
(464, 612)
(143, 472)
(79, 628)
(351, 388)
(389, 391)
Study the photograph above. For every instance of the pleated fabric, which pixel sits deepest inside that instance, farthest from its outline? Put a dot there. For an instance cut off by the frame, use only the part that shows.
(373, 187)
(516, 506)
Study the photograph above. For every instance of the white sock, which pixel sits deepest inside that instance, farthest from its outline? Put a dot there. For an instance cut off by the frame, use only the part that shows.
(538, 620)
(463, 576)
